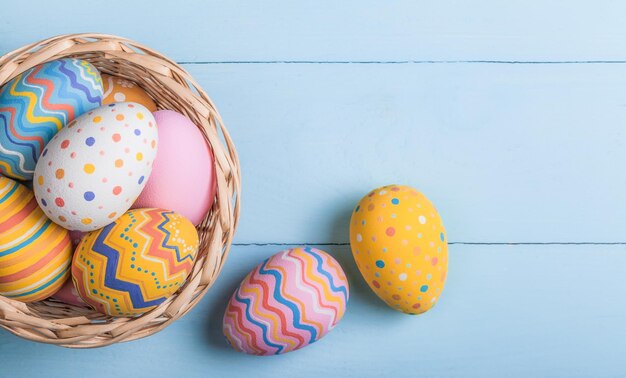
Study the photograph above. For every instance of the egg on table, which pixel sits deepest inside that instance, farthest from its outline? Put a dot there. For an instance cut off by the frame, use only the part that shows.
(92, 171)
(399, 243)
(289, 301)
(134, 264)
(36, 104)
(184, 164)
(117, 89)
(35, 253)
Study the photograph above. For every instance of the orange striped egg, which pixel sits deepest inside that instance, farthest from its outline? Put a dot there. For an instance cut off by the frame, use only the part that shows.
(35, 253)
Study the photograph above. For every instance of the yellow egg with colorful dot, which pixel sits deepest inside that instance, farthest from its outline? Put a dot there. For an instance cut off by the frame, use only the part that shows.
(399, 243)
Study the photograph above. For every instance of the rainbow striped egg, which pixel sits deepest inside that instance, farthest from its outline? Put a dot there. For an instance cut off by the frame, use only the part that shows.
(135, 263)
(35, 253)
(291, 300)
(36, 104)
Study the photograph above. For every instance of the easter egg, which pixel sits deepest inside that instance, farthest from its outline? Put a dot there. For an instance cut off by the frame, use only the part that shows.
(135, 263)
(69, 295)
(92, 171)
(36, 104)
(289, 301)
(35, 253)
(183, 176)
(76, 236)
(117, 89)
(399, 244)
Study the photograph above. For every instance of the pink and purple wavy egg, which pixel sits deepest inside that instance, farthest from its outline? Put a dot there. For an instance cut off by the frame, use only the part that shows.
(289, 301)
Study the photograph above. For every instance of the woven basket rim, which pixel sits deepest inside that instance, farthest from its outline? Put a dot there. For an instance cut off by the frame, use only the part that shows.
(172, 87)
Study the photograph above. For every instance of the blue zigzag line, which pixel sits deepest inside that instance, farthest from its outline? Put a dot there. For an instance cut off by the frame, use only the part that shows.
(32, 146)
(110, 279)
(95, 80)
(9, 159)
(76, 84)
(167, 238)
(277, 295)
(257, 323)
(320, 263)
(20, 104)
(66, 93)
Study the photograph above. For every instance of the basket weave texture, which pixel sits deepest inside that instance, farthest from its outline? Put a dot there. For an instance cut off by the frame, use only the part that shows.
(171, 87)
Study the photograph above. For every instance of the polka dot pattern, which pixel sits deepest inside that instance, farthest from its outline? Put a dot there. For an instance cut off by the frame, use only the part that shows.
(96, 165)
(399, 244)
(117, 89)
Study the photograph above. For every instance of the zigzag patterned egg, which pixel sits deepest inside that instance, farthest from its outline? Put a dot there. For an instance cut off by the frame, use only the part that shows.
(289, 301)
(35, 253)
(135, 263)
(36, 104)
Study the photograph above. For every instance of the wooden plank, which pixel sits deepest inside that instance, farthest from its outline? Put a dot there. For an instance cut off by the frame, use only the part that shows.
(366, 30)
(507, 153)
(515, 311)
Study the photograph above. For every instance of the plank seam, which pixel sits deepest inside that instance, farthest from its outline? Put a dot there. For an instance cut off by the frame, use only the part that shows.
(403, 62)
(451, 243)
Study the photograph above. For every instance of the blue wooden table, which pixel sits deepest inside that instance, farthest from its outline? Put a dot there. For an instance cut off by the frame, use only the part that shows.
(510, 117)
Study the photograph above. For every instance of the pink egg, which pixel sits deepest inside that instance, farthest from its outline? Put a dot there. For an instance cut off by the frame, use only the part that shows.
(183, 175)
(76, 236)
(69, 294)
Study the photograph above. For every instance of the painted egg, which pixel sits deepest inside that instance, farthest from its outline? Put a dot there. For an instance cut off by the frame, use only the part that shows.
(289, 301)
(92, 171)
(184, 164)
(135, 263)
(399, 244)
(36, 104)
(35, 253)
(68, 294)
(117, 89)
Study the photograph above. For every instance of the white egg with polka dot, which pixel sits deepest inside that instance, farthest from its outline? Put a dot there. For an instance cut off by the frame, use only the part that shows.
(92, 170)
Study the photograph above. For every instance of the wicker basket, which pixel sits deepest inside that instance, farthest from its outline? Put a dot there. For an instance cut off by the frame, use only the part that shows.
(171, 87)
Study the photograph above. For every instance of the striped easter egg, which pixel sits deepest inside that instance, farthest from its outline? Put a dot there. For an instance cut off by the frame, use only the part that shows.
(36, 104)
(35, 253)
(135, 263)
(291, 300)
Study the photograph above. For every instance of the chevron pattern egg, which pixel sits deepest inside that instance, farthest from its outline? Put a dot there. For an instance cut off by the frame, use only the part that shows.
(135, 263)
(35, 253)
(289, 301)
(36, 104)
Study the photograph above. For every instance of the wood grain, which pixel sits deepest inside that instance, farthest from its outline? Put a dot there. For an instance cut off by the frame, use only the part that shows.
(507, 153)
(509, 116)
(518, 311)
(327, 30)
